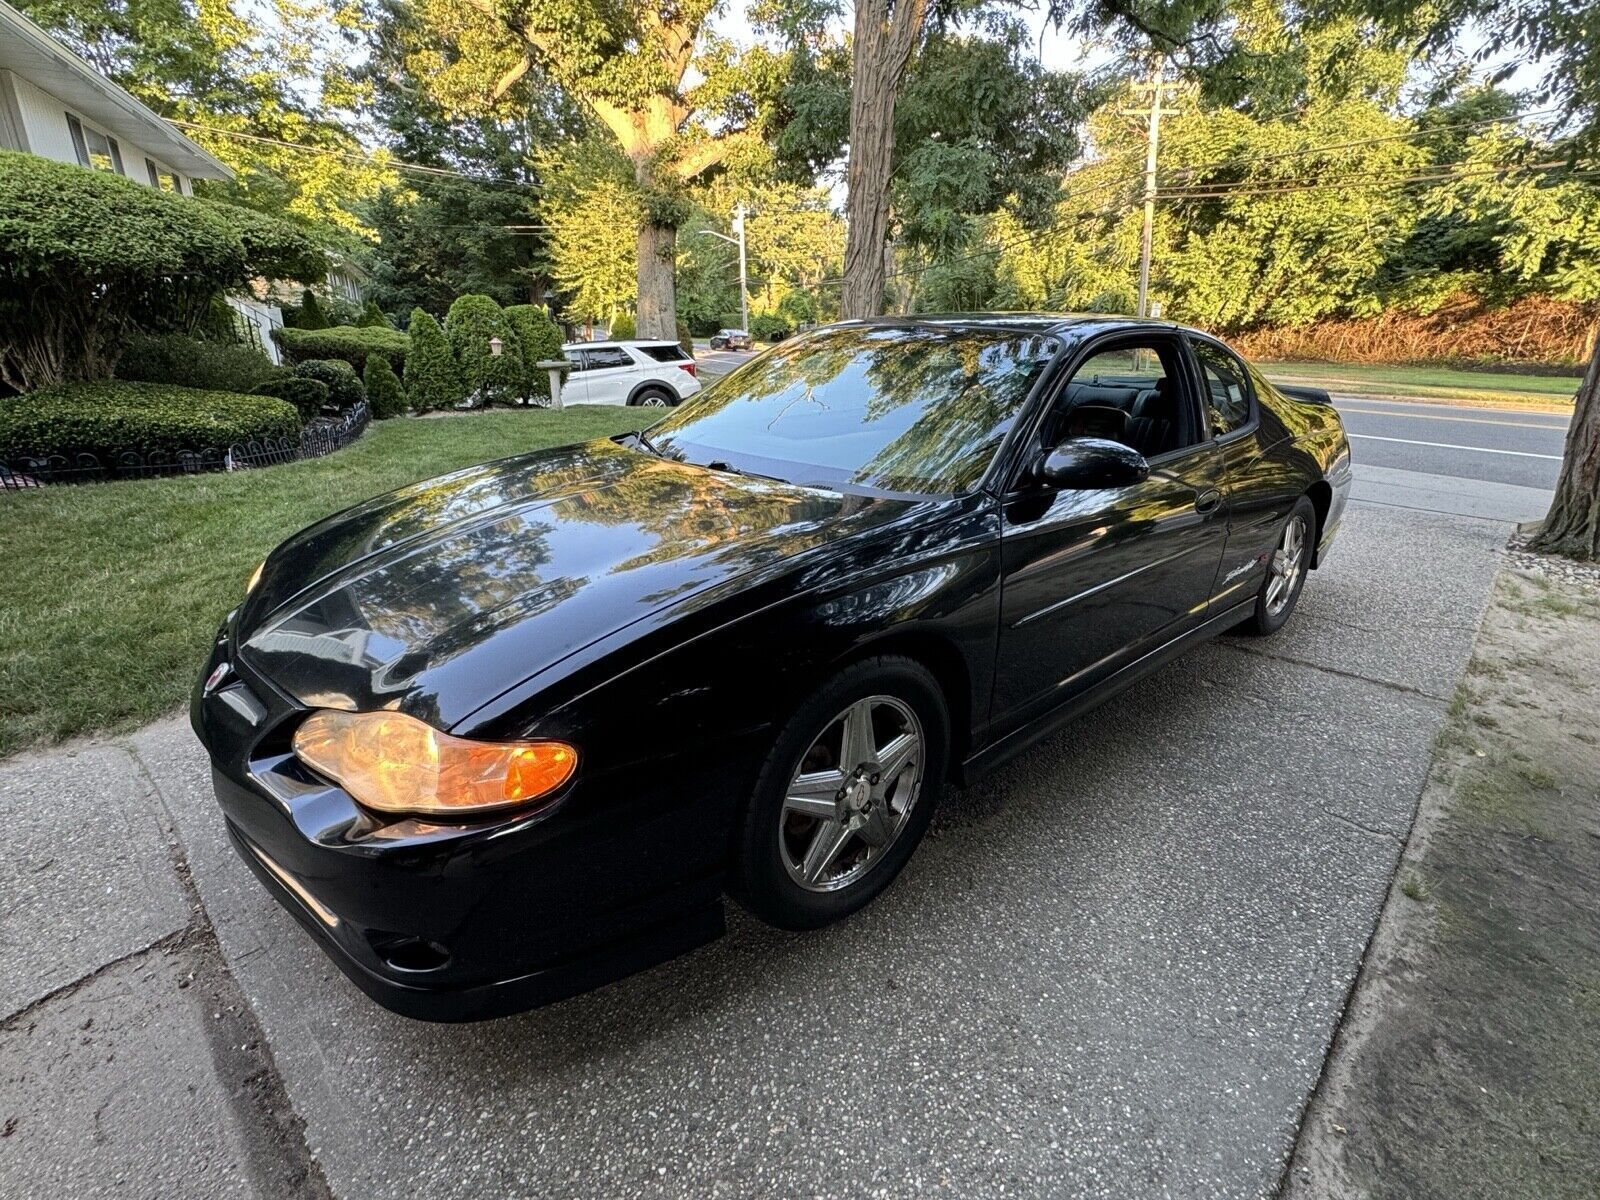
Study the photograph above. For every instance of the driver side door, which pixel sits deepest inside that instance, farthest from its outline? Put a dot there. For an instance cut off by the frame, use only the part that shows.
(1094, 579)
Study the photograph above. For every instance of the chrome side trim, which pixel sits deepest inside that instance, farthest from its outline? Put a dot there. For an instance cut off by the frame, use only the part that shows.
(1057, 605)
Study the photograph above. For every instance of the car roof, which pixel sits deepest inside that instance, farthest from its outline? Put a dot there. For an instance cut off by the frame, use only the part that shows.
(1019, 322)
(619, 342)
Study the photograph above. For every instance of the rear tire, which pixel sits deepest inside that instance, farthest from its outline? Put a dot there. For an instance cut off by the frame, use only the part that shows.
(824, 834)
(654, 398)
(1286, 571)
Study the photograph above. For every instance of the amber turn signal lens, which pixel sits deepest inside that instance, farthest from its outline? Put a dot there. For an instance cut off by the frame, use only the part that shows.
(398, 764)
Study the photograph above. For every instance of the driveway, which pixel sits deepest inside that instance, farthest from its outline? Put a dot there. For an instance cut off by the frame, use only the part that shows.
(1113, 969)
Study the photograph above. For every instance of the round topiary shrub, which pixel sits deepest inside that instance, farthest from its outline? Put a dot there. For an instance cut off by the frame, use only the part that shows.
(106, 417)
(433, 379)
(623, 327)
(343, 384)
(350, 342)
(541, 341)
(309, 396)
(383, 388)
(470, 325)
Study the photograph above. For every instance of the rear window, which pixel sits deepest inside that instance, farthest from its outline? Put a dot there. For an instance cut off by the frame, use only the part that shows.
(665, 352)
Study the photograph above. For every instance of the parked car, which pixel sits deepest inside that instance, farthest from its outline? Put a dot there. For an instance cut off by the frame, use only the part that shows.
(652, 374)
(732, 339)
(500, 737)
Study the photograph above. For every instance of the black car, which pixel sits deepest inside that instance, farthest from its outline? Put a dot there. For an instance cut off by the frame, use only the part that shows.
(731, 339)
(507, 734)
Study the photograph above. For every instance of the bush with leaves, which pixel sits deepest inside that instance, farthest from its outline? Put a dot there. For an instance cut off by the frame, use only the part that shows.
(769, 327)
(106, 417)
(432, 375)
(352, 343)
(383, 388)
(307, 314)
(540, 338)
(88, 257)
(623, 327)
(469, 326)
(685, 338)
(344, 385)
(372, 316)
(185, 362)
(309, 396)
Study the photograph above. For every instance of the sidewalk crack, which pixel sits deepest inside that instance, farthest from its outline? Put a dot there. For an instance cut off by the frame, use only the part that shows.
(1403, 688)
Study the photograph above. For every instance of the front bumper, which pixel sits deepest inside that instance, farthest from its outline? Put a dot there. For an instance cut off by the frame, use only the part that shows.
(465, 921)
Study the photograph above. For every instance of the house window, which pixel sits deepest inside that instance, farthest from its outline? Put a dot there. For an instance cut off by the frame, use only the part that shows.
(167, 181)
(95, 149)
(155, 176)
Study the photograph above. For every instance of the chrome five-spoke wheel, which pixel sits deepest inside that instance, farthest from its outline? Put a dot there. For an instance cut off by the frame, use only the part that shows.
(852, 794)
(1287, 566)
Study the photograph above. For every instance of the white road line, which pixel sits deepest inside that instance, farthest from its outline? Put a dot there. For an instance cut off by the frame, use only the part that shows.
(1372, 437)
(1407, 416)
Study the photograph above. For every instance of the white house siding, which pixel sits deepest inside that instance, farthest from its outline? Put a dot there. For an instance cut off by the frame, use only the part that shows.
(44, 124)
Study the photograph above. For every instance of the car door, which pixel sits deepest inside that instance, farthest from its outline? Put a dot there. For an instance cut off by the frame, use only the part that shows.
(1258, 488)
(1093, 579)
(610, 375)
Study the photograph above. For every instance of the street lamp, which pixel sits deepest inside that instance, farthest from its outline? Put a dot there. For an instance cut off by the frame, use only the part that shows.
(744, 290)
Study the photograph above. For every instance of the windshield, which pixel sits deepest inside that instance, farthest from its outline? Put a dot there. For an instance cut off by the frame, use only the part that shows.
(901, 410)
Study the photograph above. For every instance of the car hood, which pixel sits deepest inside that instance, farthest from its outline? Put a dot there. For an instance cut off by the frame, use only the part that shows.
(441, 596)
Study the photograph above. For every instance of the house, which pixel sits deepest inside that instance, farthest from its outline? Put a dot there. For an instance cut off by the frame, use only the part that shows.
(54, 104)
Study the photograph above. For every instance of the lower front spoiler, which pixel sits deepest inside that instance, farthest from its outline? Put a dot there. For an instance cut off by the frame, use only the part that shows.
(649, 946)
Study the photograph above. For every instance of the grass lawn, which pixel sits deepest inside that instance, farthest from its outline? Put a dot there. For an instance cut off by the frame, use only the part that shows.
(1430, 383)
(111, 592)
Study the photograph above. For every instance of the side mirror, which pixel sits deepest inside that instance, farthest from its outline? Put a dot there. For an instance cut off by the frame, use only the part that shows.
(1087, 463)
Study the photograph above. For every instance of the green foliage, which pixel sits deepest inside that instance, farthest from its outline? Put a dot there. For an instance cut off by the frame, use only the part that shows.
(352, 343)
(685, 338)
(372, 316)
(87, 256)
(339, 377)
(469, 326)
(307, 314)
(592, 206)
(383, 388)
(185, 362)
(274, 249)
(432, 376)
(622, 327)
(769, 327)
(107, 416)
(540, 339)
(309, 396)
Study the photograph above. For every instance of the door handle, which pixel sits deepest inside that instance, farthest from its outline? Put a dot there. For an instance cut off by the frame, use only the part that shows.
(1209, 501)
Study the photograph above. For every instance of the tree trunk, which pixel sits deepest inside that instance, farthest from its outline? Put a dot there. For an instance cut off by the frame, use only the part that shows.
(658, 304)
(879, 54)
(1572, 526)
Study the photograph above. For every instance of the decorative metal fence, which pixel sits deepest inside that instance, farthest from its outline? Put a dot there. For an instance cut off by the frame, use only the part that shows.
(322, 436)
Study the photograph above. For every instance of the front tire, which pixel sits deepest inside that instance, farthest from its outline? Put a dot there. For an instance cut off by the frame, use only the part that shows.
(845, 795)
(1286, 571)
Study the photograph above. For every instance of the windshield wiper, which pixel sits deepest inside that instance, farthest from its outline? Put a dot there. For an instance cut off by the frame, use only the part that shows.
(719, 464)
(649, 445)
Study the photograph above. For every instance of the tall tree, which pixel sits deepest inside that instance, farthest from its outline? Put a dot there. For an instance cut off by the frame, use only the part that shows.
(661, 88)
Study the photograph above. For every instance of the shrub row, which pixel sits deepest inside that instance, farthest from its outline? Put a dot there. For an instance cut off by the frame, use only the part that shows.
(309, 396)
(351, 343)
(108, 416)
(187, 362)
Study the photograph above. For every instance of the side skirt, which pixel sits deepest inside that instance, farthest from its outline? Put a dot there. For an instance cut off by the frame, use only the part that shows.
(996, 753)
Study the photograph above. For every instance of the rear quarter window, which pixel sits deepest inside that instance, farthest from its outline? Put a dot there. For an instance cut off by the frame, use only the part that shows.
(665, 352)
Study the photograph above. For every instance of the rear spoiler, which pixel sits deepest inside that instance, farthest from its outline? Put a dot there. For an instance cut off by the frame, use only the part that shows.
(1313, 395)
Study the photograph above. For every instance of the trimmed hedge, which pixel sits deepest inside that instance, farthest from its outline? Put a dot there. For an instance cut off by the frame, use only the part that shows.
(472, 322)
(383, 389)
(309, 396)
(185, 362)
(540, 338)
(432, 375)
(340, 378)
(623, 327)
(352, 343)
(105, 417)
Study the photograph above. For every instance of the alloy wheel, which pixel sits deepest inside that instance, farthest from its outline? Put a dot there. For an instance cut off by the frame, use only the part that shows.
(851, 794)
(1288, 564)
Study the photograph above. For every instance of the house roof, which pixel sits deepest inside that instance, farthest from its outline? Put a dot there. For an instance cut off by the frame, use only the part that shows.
(39, 58)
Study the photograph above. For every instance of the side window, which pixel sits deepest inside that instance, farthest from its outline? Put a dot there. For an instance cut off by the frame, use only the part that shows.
(1227, 389)
(603, 357)
(578, 358)
(1130, 394)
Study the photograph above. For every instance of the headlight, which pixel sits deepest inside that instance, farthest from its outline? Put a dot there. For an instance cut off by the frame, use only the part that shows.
(398, 764)
(255, 577)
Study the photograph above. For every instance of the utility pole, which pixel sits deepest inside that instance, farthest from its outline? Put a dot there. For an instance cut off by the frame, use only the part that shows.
(1157, 88)
(744, 283)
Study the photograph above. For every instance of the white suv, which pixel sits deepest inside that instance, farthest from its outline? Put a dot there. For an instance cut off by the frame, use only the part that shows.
(654, 374)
